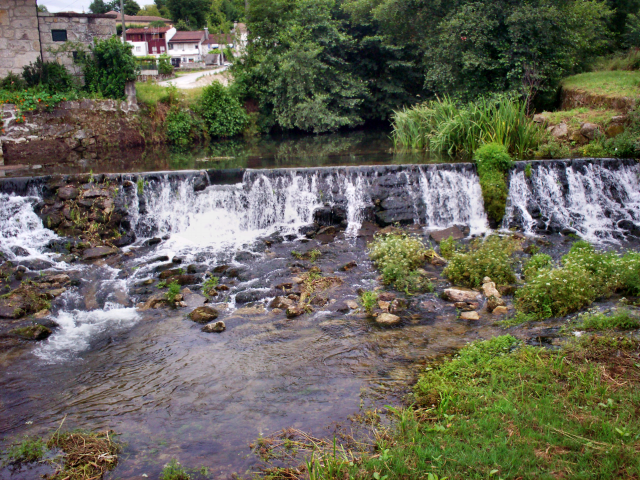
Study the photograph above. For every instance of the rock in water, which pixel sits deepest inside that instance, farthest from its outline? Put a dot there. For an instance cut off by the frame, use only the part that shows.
(214, 327)
(441, 235)
(460, 295)
(387, 319)
(469, 316)
(203, 314)
(500, 310)
(489, 288)
(281, 302)
(98, 252)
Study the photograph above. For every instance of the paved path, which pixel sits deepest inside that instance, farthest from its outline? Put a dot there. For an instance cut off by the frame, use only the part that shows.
(197, 79)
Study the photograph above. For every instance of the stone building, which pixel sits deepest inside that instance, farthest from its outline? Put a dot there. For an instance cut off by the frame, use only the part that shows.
(26, 34)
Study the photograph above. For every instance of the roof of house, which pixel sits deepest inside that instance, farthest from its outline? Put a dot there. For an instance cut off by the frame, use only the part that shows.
(219, 39)
(141, 18)
(190, 37)
(148, 30)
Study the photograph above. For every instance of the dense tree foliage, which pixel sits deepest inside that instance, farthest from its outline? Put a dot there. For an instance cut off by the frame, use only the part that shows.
(100, 6)
(318, 66)
(192, 12)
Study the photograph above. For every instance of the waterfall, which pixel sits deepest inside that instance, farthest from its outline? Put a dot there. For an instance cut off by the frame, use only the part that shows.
(598, 200)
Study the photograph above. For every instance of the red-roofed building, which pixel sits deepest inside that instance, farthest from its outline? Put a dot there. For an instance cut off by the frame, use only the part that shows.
(149, 40)
(143, 20)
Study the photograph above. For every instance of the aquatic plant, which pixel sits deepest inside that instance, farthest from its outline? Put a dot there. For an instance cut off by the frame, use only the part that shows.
(27, 451)
(491, 257)
(536, 263)
(448, 247)
(174, 471)
(174, 291)
(369, 300)
(398, 257)
(444, 126)
(493, 163)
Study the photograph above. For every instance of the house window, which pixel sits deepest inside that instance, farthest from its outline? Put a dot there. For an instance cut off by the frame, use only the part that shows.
(171, 46)
(138, 49)
(153, 49)
(161, 49)
(59, 35)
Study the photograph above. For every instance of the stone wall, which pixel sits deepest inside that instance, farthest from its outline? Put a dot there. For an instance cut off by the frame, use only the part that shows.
(73, 127)
(19, 42)
(81, 29)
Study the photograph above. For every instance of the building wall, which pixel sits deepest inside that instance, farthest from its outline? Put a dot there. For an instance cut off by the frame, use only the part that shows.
(19, 43)
(82, 29)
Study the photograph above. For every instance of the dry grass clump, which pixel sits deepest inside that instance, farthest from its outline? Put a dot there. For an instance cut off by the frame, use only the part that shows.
(87, 456)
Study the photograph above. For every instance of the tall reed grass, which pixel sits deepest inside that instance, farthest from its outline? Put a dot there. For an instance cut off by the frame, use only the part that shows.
(445, 127)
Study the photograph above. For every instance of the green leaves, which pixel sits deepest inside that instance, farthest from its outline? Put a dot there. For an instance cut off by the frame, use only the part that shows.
(109, 68)
(222, 111)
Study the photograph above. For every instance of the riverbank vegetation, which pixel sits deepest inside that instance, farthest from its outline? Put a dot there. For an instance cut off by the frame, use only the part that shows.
(502, 409)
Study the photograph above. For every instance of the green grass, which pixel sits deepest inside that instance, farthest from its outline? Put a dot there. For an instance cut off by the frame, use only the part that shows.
(445, 126)
(500, 409)
(27, 451)
(617, 83)
(619, 320)
(174, 471)
(573, 118)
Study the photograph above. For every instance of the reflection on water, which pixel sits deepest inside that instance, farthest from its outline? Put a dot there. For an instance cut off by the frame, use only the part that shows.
(271, 151)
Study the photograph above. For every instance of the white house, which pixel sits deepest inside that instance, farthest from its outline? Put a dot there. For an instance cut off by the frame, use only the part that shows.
(187, 46)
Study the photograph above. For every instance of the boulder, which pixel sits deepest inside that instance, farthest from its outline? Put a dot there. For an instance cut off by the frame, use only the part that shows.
(281, 303)
(68, 193)
(352, 304)
(559, 131)
(19, 251)
(614, 130)
(216, 327)
(469, 316)
(540, 119)
(387, 319)
(579, 139)
(294, 311)
(500, 310)
(98, 252)
(33, 332)
(384, 306)
(460, 295)
(441, 235)
(489, 288)
(589, 130)
(204, 314)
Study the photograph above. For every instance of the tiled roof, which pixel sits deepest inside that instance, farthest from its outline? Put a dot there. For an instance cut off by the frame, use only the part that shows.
(182, 37)
(149, 30)
(219, 39)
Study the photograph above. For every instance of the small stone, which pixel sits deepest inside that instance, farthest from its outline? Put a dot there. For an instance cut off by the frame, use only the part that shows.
(222, 288)
(387, 319)
(387, 296)
(182, 304)
(295, 311)
(353, 305)
(398, 305)
(284, 286)
(42, 314)
(460, 305)
(500, 310)
(217, 327)
(489, 289)
(540, 119)
(460, 295)
(440, 235)
(281, 303)
(384, 306)
(148, 281)
(277, 311)
(57, 292)
(349, 266)
(203, 314)
(469, 316)
(297, 280)
(494, 302)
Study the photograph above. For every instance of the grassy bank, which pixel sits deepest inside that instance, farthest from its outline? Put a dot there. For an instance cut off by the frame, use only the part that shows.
(616, 83)
(500, 409)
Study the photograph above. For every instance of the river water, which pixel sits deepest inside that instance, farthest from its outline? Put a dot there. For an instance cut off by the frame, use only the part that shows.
(172, 391)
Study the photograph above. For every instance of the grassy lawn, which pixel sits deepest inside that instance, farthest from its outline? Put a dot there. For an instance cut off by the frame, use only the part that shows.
(149, 93)
(503, 410)
(618, 83)
(575, 117)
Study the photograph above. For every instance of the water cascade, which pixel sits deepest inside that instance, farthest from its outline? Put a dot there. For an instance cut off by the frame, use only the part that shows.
(599, 200)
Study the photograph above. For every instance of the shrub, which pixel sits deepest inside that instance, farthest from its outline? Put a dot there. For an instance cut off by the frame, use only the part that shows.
(174, 471)
(448, 247)
(28, 451)
(181, 127)
(535, 264)
(552, 148)
(585, 275)
(369, 301)
(209, 287)
(493, 157)
(398, 256)
(625, 145)
(109, 67)
(52, 76)
(174, 291)
(619, 321)
(222, 111)
(12, 83)
(488, 258)
(164, 65)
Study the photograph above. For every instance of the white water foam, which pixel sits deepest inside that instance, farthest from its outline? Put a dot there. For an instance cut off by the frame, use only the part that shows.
(596, 200)
(21, 228)
(78, 328)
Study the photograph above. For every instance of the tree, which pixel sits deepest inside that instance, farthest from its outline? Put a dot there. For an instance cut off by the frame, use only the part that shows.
(130, 6)
(162, 8)
(192, 12)
(43, 8)
(150, 11)
(99, 7)
(108, 67)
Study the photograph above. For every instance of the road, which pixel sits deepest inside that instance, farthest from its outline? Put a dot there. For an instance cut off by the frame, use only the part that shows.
(198, 79)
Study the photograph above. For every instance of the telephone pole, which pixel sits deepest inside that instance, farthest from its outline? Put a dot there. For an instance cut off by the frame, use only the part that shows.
(124, 35)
